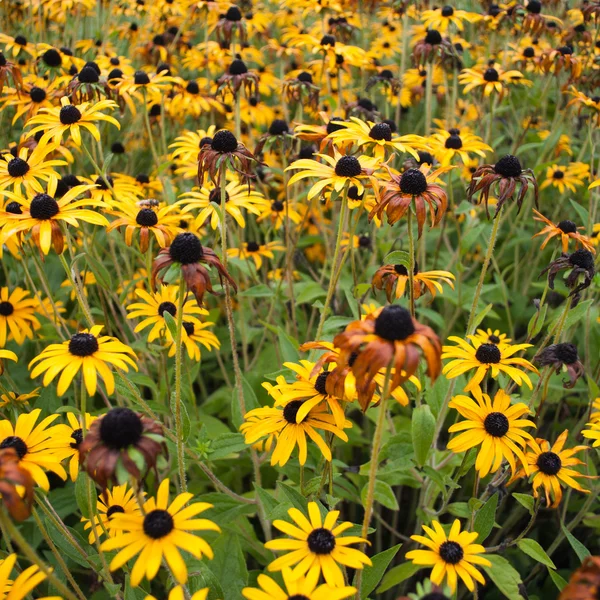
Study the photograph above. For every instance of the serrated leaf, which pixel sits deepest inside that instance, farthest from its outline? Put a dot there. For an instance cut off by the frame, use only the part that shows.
(504, 576)
(533, 549)
(423, 430)
(372, 574)
(485, 518)
(581, 551)
(397, 575)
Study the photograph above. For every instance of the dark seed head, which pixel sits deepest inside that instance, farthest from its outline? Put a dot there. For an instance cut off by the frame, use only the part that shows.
(169, 307)
(565, 50)
(146, 218)
(413, 182)
(189, 327)
(558, 174)
(159, 40)
(233, 14)
(186, 249)
(6, 309)
(14, 208)
(321, 381)
(205, 141)
(83, 344)
(488, 354)
(279, 127)
(328, 40)
(334, 125)
(425, 158)
(451, 552)
(394, 323)
(366, 104)
(491, 75)
(115, 74)
(447, 11)
(120, 427)
(566, 353)
(192, 88)
(508, 166)
(496, 424)
(583, 259)
(102, 184)
(364, 241)
(17, 167)
(306, 151)
(37, 94)
(158, 523)
(52, 58)
(305, 77)
(291, 410)
(141, 78)
(534, 7)
(69, 114)
(529, 52)
(391, 124)
(43, 207)
(16, 443)
(224, 141)
(88, 75)
(238, 67)
(433, 37)
(567, 226)
(77, 437)
(381, 131)
(115, 508)
(117, 148)
(252, 247)
(353, 193)
(454, 142)
(321, 541)
(277, 206)
(348, 166)
(22, 41)
(549, 463)
(493, 339)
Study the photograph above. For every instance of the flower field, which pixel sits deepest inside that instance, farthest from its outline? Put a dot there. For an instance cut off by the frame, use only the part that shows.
(299, 301)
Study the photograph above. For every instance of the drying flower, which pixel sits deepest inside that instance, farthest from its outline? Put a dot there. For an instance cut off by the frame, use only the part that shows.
(396, 276)
(16, 485)
(580, 263)
(562, 357)
(567, 230)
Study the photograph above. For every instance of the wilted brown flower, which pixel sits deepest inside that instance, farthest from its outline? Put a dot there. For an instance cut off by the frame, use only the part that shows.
(433, 45)
(564, 355)
(301, 89)
(118, 443)
(585, 582)
(581, 262)
(187, 251)
(228, 25)
(237, 76)
(9, 69)
(17, 502)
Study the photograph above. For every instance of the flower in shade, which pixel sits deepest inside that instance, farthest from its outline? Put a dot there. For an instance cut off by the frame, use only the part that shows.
(562, 357)
(159, 531)
(187, 251)
(20, 587)
(507, 173)
(393, 278)
(86, 351)
(452, 556)
(580, 263)
(118, 499)
(416, 189)
(316, 546)
(388, 337)
(120, 444)
(38, 447)
(495, 425)
(301, 588)
(550, 467)
(567, 230)
(485, 358)
(72, 436)
(16, 485)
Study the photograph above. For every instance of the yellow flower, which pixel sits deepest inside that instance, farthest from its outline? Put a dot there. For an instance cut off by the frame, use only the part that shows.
(256, 252)
(566, 178)
(23, 584)
(71, 436)
(17, 315)
(492, 79)
(445, 145)
(316, 546)
(177, 593)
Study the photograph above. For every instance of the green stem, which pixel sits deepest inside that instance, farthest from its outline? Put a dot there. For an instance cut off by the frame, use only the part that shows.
(178, 413)
(411, 264)
(78, 291)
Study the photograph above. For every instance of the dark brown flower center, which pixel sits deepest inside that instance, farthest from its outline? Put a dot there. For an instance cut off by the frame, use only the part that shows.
(77, 437)
(279, 127)
(583, 259)
(413, 182)
(496, 424)
(192, 88)
(348, 166)
(447, 11)
(69, 114)
(17, 444)
(252, 247)
(158, 523)
(189, 327)
(451, 552)
(186, 249)
(334, 125)
(493, 339)
(291, 410)
(567, 227)
(508, 166)
(491, 75)
(277, 206)
(549, 463)
(238, 67)
(381, 131)
(433, 37)
(141, 78)
(43, 207)
(14, 208)
(453, 142)
(488, 354)
(321, 381)
(169, 307)
(17, 167)
(6, 309)
(224, 141)
(146, 218)
(558, 174)
(83, 344)
(394, 323)
(120, 427)
(321, 541)
(115, 508)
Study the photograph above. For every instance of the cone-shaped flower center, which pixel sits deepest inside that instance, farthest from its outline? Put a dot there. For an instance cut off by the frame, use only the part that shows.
(508, 166)
(413, 182)
(16, 443)
(291, 410)
(115, 508)
(491, 75)
(549, 463)
(169, 307)
(488, 354)
(321, 381)
(381, 131)
(69, 114)
(6, 309)
(348, 166)
(120, 427)
(17, 167)
(186, 249)
(158, 523)
(567, 226)
(566, 353)
(146, 218)
(394, 323)
(451, 552)
(43, 207)
(77, 437)
(583, 259)
(224, 141)
(496, 424)
(321, 541)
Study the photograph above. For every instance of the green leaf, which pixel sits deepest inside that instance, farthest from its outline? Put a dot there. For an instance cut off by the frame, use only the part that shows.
(64, 545)
(574, 316)
(525, 500)
(423, 430)
(288, 346)
(559, 582)
(171, 324)
(505, 576)
(100, 272)
(309, 291)
(269, 503)
(397, 575)
(398, 257)
(537, 322)
(250, 400)
(485, 518)
(582, 212)
(229, 565)
(205, 578)
(372, 575)
(227, 444)
(533, 549)
(81, 494)
(383, 494)
(481, 316)
(296, 498)
(257, 291)
(581, 551)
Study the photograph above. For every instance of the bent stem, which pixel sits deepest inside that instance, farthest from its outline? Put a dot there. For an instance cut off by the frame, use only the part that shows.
(484, 268)
(178, 360)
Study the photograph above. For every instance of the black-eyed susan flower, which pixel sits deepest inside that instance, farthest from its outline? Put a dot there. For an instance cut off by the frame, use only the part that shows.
(28, 168)
(492, 78)
(87, 351)
(20, 586)
(492, 336)
(207, 200)
(592, 433)
(159, 532)
(177, 593)
(562, 357)
(194, 335)
(256, 252)
(584, 101)
(16, 399)
(282, 421)
(567, 230)
(389, 336)
(446, 144)
(118, 499)
(119, 445)
(495, 425)
(37, 446)
(305, 588)
(334, 172)
(316, 546)
(146, 218)
(550, 467)
(393, 278)
(17, 315)
(569, 177)
(451, 555)
(71, 119)
(42, 215)
(71, 436)
(485, 358)
(441, 19)
(376, 138)
(8, 354)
